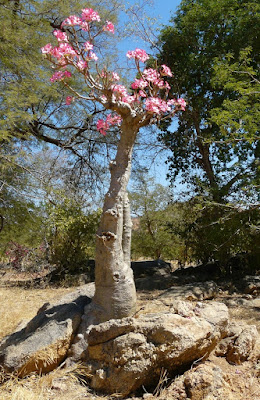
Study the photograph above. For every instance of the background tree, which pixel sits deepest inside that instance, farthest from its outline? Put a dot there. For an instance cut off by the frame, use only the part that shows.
(202, 31)
(157, 218)
(213, 50)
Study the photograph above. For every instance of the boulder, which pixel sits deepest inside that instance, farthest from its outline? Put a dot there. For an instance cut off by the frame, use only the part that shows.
(205, 382)
(123, 355)
(42, 344)
(239, 343)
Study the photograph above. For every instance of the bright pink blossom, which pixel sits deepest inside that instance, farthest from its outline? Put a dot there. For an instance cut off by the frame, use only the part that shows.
(155, 105)
(138, 54)
(151, 75)
(69, 100)
(182, 103)
(103, 125)
(60, 36)
(139, 84)
(59, 75)
(165, 71)
(114, 120)
(46, 49)
(115, 76)
(88, 46)
(93, 56)
(82, 65)
(72, 20)
(119, 89)
(142, 93)
(64, 49)
(88, 14)
(109, 27)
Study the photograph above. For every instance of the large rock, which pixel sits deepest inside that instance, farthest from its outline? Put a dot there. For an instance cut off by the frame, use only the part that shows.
(239, 343)
(42, 344)
(205, 382)
(123, 355)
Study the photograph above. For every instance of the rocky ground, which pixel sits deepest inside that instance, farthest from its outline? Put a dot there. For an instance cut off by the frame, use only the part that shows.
(230, 370)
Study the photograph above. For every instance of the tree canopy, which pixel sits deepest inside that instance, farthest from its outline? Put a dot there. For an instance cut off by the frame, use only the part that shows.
(216, 155)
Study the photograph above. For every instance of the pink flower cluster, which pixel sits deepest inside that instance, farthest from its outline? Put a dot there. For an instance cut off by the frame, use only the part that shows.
(60, 36)
(155, 105)
(64, 49)
(109, 27)
(104, 125)
(88, 14)
(138, 54)
(60, 75)
(69, 100)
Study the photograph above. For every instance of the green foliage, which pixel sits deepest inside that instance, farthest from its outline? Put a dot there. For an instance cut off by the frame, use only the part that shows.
(195, 45)
(239, 116)
(22, 218)
(153, 235)
(28, 99)
(219, 232)
(70, 233)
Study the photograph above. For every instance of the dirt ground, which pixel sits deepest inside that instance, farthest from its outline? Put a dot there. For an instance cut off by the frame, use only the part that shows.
(19, 304)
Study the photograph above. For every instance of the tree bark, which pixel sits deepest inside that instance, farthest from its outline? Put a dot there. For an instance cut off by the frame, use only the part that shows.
(115, 295)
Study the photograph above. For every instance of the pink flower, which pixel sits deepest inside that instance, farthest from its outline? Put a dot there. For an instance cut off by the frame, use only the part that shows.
(151, 75)
(182, 103)
(84, 26)
(109, 27)
(82, 65)
(138, 54)
(93, 56)
(59, 75)
(102, 126)
(139, 84)
(88, 14)
(155, 105)
(69, 100)
(60, 36)
(114, 120)
(142, 93)
(64, 49)
(166, 71)
(119, 89)
(115, 76)
(88, 46)
(72, 20)
(46, 49)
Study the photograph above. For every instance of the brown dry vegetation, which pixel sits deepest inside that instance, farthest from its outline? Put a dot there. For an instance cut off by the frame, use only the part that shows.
(18, 305)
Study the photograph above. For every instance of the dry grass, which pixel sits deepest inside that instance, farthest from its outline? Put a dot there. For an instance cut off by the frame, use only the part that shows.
(18, 305)
(57, 385)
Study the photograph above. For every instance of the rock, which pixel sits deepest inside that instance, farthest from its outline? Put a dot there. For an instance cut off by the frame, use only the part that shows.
(241, 347)
(239, 343)
(193, 292)
(43, 343)
(205, 382)
(123, 355)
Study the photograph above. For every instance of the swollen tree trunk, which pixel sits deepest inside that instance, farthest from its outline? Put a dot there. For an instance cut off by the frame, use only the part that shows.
(115, 295)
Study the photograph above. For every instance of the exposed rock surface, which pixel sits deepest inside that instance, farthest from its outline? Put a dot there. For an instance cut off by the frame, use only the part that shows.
(123, 355)
(239, 343)
(42, 344)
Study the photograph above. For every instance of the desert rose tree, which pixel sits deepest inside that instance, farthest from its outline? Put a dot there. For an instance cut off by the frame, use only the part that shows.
(146, 103)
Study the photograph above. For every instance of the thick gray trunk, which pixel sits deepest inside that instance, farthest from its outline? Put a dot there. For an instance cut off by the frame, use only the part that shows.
(115, 295)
